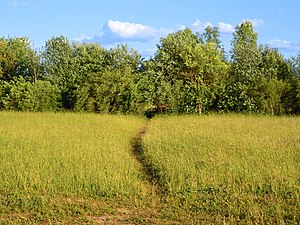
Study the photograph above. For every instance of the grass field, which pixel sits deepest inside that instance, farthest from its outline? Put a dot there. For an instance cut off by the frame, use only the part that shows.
(228, 168)
(49, 158)
(82, 169)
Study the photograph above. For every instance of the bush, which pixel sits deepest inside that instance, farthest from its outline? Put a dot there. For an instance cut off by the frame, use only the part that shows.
(22, 95)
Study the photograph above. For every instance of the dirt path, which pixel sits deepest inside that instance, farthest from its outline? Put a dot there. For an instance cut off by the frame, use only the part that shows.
(147, 213)
(149, 174)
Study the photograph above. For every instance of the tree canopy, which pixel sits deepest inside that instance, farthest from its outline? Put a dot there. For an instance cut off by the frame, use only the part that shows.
(189, 73)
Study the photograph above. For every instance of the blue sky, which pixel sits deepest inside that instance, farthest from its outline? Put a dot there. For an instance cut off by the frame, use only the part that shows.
(141, 23)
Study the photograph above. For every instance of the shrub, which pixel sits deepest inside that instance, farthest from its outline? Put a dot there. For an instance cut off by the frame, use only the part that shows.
(22, 95)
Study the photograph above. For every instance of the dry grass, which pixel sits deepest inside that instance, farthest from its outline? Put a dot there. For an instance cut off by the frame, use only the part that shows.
(46, 156)
(233, 167)
(71, 168)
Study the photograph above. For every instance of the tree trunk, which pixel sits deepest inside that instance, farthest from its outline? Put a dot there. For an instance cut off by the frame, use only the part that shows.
(199, 106)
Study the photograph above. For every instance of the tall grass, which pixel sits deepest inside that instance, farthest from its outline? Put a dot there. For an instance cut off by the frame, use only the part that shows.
(210, 169)
(68, 154)
(231, 166)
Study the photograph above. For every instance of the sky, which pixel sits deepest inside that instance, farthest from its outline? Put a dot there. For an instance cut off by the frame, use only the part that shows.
(141, 24)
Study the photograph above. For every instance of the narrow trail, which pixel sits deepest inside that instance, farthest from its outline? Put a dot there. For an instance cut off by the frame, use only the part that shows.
(150, 174)
(152, 204)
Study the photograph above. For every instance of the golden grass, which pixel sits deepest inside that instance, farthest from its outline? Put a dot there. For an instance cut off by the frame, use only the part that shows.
(80, 168)
(229, 165)
(68, 154)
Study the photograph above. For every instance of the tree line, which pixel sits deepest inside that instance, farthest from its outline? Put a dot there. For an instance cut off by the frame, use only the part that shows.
(189, 73)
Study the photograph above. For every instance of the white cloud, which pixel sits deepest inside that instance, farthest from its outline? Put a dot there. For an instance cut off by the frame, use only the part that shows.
(283, 44)
(276, 43)
(180, 27)
(117, 31)
(256, 22)
(21, 4)
(82, 37)
(131, 31)
(225, 27)
(200, 26)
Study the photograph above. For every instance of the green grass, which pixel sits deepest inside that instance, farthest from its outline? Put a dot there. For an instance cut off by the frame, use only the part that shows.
(47, 156)
(230, 168)
(86, 155)
(72, 168)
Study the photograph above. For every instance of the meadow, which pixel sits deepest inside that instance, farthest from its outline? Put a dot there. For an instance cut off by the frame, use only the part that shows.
(52, 163)
(73, 168)
(228, 168)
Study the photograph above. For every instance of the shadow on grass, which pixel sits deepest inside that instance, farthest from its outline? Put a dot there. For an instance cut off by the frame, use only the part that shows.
(149, 170)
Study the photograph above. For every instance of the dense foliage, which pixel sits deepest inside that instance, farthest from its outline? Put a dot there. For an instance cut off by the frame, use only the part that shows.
(188, 74)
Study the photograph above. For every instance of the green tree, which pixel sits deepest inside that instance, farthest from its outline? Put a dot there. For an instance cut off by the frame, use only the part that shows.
(61, 68)
(90, 60)
(241, 91)
(123, 57)
(211, 35)
(112, 91)
(21, 95)
(292, 91)
(16, 56)
(44, 96)
(182, 56)
(275, 71)
(108, 80)
(245, 35)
